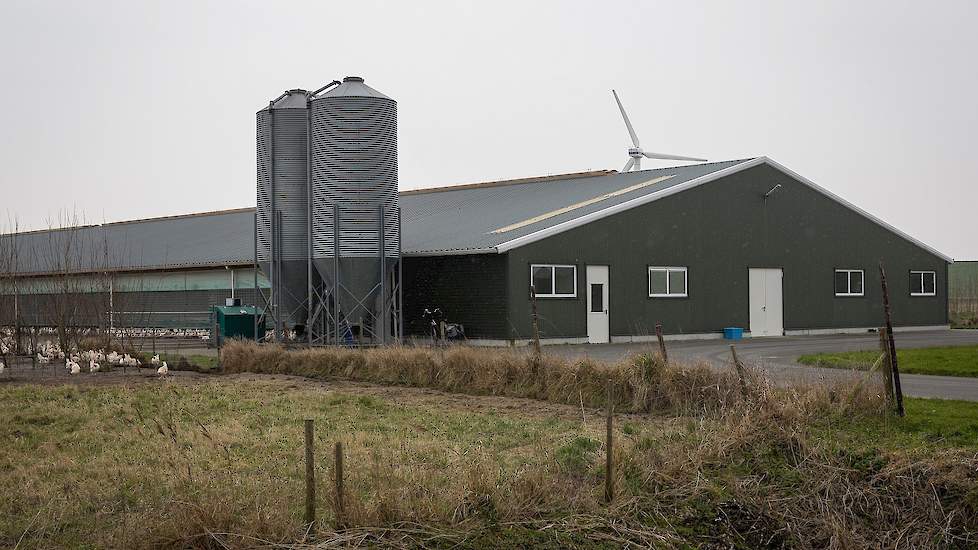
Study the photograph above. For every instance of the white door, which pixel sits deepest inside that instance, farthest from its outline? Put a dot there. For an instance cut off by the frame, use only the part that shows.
(766, 316)
(597, 304)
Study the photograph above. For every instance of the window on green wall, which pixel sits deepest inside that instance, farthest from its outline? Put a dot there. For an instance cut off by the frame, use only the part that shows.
(667, 282)
(923, 283)
(554, 281)
(849, 282)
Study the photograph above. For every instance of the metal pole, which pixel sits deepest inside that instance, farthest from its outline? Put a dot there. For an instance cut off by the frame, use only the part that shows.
(400, 282)
(336, 272)
(384, 302)
(309, 219)
(272, 276)
(275, 269)
(609, 465)
(111, 305)
(255, 267)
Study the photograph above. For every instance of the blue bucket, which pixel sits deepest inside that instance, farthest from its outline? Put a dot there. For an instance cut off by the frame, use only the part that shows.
(733, 333)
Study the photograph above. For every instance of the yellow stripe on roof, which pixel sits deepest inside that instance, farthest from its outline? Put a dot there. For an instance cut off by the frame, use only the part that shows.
(581, 204)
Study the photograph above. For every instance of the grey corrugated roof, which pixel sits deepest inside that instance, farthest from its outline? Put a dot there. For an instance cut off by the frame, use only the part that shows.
(464, 220)
(213, 238)
(447, 220)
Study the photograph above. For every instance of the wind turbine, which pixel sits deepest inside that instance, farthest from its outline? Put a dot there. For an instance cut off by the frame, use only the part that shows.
(636, 153)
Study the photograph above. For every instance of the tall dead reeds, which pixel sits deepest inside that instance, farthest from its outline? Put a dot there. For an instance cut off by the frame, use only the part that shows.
(640, 384)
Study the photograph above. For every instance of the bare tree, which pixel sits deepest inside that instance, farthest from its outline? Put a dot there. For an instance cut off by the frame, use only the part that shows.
(66, 254)
(9, 292)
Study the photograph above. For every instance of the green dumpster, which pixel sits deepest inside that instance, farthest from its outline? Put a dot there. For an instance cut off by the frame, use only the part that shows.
(234, 322)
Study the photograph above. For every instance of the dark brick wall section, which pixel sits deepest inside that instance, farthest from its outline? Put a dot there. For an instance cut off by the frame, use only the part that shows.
(471, 290)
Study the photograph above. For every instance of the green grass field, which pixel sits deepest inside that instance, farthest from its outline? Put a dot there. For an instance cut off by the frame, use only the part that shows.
(944, 361)
(928, 423)
(215, 461)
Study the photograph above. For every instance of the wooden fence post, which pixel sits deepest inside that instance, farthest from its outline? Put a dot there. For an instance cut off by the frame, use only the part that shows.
(662, 344)
(609, 468)
(740, 371)
(886, 370)
(340, 505)
(310, 475)
(897, 390)
(536, 325)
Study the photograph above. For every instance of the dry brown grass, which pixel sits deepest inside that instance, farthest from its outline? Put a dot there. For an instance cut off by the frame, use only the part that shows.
(218, 464)
(640, 384)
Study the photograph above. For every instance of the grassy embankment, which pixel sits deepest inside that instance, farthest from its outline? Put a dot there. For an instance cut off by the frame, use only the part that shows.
(219, 461)
(943, 361)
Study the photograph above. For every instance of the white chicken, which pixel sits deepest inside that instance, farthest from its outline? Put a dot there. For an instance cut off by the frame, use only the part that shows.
(93, 366)
(163, 370)
(75, 368)
(155, 360)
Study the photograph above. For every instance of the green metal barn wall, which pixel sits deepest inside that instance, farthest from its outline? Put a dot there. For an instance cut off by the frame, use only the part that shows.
(718, 230)
(179, 299)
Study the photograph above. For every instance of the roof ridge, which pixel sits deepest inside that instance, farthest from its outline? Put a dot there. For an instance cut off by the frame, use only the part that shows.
(517, 181)
(137, 220)
(736, 161)
(180, 216)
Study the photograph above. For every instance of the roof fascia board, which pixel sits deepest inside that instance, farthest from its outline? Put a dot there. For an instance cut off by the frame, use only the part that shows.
(856, 209)
(637, 201)
(137, 269)
(459, 252)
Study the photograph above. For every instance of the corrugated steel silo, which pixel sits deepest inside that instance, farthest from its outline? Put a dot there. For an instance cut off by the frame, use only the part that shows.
(355, 203)
(282, 234)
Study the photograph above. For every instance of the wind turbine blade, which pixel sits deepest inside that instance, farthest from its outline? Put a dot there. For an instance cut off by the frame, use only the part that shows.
(628, 124)
(628, 165)
(662, 156)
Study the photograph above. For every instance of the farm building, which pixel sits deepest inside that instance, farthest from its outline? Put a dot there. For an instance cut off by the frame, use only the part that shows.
(744, 243)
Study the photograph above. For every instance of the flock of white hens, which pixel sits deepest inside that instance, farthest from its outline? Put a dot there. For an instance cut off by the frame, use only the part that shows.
(49, 353)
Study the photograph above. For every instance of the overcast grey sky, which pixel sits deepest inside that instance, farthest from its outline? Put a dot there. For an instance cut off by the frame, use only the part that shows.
(132, 109)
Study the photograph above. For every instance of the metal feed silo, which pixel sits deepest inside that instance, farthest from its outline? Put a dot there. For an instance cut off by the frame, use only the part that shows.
(355, 211)
(281, 219)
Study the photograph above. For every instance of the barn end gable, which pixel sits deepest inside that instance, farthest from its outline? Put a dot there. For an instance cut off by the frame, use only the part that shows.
(718, 229)
(693, 183)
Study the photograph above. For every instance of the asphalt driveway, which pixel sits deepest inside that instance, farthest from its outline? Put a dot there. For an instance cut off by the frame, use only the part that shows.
(778, 357)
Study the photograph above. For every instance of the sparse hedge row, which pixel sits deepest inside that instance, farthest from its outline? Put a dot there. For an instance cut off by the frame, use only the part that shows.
(641, 383)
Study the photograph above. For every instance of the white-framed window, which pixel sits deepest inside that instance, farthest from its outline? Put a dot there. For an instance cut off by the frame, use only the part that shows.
(667, 282)
(849, 282)
(554, 281)
(923, 283)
